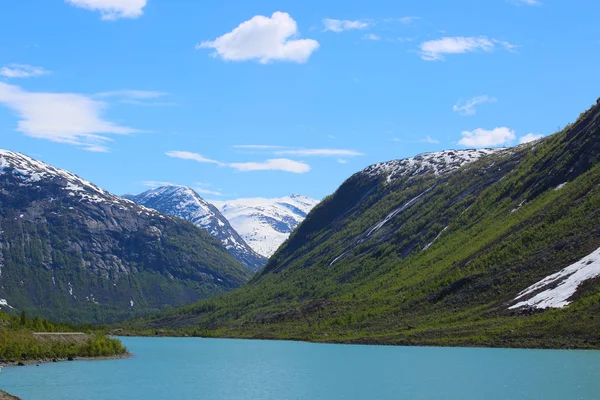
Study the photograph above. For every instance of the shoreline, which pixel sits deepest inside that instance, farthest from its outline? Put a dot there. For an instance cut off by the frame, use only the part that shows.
(4, 364)
(7, 396)
(528, 345)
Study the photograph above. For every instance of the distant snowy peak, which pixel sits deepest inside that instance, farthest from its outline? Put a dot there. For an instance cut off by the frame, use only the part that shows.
(30, 172)
(183, 202)
(266, 223)
(438, 163)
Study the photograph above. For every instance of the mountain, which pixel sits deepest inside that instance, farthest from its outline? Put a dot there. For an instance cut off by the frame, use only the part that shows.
(476, 247)
(185, 203)
(266, 223)
(75, 252)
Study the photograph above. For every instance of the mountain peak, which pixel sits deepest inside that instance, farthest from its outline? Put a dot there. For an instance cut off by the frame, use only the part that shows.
(183, 202)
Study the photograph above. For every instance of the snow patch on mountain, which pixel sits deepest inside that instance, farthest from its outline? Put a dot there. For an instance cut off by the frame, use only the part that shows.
(30, 171)
(438, 163)
(555, 290)
(266, 223)
(183, 202)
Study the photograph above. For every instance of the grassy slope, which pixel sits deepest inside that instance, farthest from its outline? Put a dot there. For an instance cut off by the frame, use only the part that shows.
(457, 292)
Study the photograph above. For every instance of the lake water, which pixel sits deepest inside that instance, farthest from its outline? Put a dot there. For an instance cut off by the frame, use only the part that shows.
(211, 369)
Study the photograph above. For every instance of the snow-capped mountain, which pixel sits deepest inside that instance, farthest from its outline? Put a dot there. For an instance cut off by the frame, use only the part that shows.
(71, 250)
(183, 202)
(266, 223)
(29, 171)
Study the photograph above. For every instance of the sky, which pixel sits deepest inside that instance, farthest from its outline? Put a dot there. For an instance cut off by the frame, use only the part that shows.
(268, 98)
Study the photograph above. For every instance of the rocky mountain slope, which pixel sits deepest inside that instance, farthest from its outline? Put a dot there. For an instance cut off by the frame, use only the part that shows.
(492, 247)
(75, 252)
(266, 223)
(185, 203)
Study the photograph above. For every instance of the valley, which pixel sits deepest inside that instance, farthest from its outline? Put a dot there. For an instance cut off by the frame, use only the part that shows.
(441, 249)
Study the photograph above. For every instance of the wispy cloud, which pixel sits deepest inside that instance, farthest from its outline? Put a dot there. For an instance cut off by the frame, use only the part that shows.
(319, 152)
(338, 25)
(257, 147)
(468, 107)
(436, 50)
(408, 20)
(62, 117)
(485, 138)
(429, 139)
(137, 97)
(187, 155)
(111, 10)
(155, 184)
(132, 94)
(264, 39)
(22, 71)
(525, 2)
(279, 164)
(530, 137)
(202, 190)
(371, 36)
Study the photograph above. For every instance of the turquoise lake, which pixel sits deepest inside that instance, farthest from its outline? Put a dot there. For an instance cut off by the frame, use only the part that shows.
(211, 369)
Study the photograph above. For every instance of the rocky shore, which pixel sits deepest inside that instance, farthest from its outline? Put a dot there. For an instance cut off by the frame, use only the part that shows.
(31, 362)
(6, 396)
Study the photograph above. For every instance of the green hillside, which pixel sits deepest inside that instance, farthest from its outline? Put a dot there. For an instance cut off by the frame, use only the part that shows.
(444, 268)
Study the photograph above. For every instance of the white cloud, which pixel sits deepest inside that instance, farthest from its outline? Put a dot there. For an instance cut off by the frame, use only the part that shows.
(530, 137)
(61, 117)
(338, 25)
(320, 152)
(278, 164)
(434, 50)
(342, 161)
(468, 107)
(187, 155)
(264, 39)
(22, 71)
(371, 36)
(111, 10)
(485, 138)
(429, 139)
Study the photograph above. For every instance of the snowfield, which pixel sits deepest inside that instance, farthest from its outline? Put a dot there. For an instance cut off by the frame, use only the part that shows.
(266, 223)
(555, 290)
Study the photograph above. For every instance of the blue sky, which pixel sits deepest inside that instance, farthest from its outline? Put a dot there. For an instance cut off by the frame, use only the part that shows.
(268, 98)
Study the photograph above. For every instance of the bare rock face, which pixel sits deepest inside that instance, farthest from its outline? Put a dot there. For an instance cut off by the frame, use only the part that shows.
(73, 251)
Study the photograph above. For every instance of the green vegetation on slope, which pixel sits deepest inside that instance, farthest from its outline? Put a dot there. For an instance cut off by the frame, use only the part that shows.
(507, 228)
(19, 343)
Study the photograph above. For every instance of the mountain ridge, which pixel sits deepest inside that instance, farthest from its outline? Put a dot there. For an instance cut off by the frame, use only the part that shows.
(183, 202)
(72, 251)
